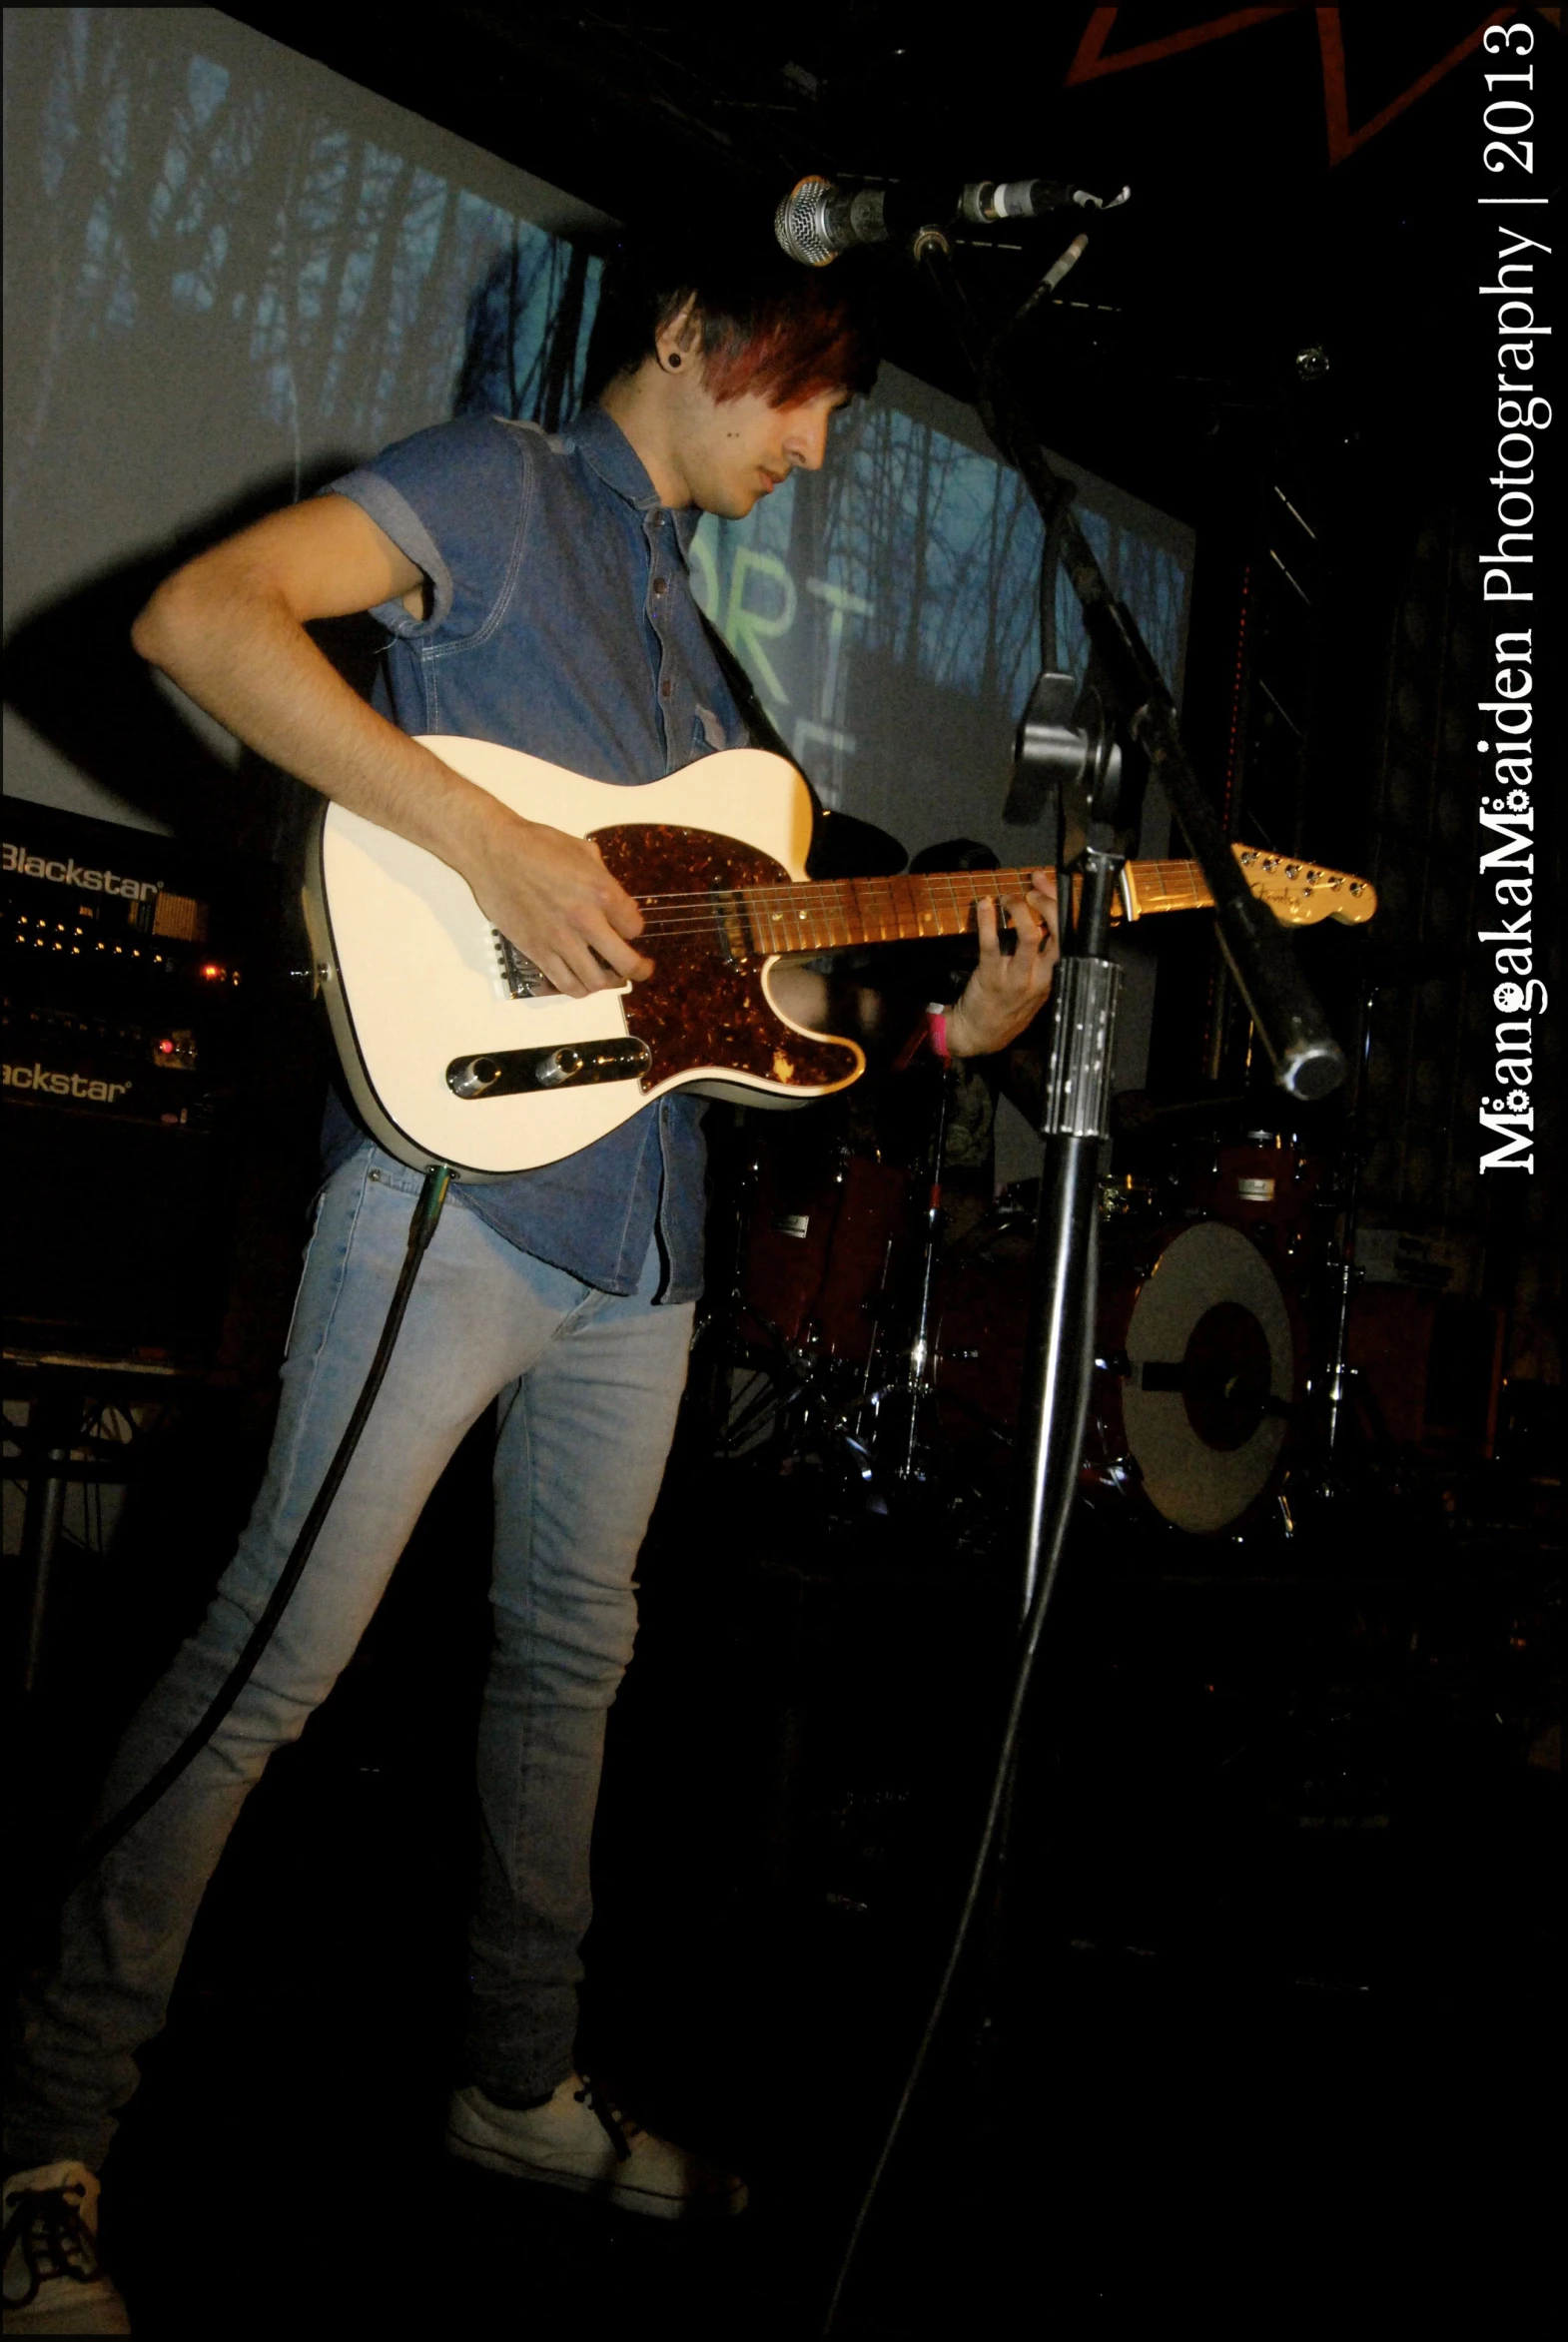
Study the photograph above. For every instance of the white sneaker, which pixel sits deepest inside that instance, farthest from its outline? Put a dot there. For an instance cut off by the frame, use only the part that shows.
(54, 2280)
(578, 2140)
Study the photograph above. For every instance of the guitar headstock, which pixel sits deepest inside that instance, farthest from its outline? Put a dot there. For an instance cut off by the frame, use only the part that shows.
(1301, 893)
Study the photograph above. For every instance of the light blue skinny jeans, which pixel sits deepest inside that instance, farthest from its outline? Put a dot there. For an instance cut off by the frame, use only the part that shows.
(588, 1385)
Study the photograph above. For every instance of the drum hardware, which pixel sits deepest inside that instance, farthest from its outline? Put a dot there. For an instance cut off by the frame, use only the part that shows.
(1383, 967)
(1119, 1472)
(1122, 1195)
(1344, 1275)
(861, 1340)
(844, 1287)
(1261, 1180)
(918, 1386)
(865, 1343)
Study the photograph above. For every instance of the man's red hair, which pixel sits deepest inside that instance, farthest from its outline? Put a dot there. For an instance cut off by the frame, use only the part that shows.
(787, 356)
(768, 326)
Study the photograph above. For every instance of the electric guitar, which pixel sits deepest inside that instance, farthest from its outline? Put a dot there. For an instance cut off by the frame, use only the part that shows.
(456, 1048)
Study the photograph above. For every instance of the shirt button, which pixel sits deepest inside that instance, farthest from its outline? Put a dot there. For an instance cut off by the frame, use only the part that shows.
(660, 584)
(666, 689)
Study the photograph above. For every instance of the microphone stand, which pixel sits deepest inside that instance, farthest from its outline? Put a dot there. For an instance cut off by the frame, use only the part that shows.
(1133, 707)
(1129, 703)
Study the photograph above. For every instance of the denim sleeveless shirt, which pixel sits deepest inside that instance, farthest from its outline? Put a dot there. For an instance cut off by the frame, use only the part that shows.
(561, 622)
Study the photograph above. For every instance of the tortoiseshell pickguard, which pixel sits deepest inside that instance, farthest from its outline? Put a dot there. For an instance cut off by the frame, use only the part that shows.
(700, 1008)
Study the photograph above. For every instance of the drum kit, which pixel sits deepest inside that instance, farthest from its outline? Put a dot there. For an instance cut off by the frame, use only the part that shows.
(872, 1320)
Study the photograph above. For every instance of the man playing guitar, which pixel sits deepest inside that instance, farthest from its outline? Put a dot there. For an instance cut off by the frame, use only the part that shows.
(535, 593)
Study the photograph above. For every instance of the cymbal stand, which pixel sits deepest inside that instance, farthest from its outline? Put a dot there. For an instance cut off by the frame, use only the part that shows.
(916, 1385)
(1344, 1276)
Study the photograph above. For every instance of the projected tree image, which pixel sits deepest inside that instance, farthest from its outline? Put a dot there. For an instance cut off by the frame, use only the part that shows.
(337, 286)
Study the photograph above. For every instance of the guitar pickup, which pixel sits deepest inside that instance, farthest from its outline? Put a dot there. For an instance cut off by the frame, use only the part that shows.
(505, 1072)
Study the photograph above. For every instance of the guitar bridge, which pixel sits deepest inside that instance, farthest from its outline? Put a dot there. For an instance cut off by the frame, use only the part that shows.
(522, 978)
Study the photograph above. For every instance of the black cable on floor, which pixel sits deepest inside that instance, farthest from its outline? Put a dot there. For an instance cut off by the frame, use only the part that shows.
(1029, 1648)
(426, 1211)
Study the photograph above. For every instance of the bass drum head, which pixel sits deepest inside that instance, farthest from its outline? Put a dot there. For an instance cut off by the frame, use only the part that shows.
(1210, 1377)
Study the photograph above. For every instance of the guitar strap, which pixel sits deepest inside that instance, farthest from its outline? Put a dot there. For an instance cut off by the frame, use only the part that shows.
(764, 732)
(841, 845)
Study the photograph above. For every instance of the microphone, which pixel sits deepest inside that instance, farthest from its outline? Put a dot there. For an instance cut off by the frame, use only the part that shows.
(817, 221)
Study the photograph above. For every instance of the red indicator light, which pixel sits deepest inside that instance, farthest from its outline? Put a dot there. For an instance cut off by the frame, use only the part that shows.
(211, 969)
(166, 1048)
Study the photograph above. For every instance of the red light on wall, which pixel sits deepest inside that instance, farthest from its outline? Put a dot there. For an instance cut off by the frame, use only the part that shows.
(214, 973)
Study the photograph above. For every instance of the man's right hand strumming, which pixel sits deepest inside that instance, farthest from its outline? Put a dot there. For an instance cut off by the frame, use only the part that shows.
(550, 895)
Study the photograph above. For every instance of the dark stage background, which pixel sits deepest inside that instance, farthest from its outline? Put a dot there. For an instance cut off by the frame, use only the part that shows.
(1271, 2030)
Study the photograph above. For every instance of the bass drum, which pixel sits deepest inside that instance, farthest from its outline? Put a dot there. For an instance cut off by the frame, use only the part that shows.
(1198, 1378)
(1199, 1362)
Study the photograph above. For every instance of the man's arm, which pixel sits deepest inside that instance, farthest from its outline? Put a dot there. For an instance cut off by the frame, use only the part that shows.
(230, 629)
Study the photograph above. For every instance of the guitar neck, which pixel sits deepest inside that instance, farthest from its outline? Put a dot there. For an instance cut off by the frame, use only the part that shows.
(827, 915)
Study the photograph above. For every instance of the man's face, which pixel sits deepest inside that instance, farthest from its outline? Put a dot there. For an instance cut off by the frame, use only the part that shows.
(735, 454)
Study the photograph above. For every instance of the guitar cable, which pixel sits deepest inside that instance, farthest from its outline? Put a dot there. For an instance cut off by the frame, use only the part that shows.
(421, 1227)
(993, 1830)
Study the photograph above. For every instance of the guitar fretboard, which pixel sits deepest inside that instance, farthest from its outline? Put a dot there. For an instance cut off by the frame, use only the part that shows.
(829, 915)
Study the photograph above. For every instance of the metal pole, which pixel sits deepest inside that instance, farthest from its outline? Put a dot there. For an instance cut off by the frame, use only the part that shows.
(54, 1422)
(921, 1365)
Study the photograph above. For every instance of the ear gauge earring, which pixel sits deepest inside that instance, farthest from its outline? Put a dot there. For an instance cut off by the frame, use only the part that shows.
(674, 360)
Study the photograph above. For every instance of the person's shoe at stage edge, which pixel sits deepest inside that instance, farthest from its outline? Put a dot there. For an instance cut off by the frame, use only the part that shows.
(578, 2140)
(55, 2282)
